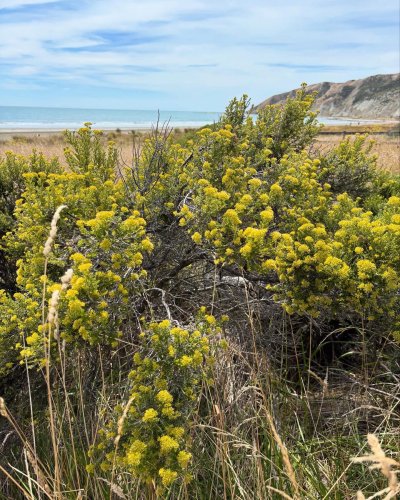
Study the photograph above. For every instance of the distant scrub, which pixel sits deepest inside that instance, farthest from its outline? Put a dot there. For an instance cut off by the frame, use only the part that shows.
(146, 262)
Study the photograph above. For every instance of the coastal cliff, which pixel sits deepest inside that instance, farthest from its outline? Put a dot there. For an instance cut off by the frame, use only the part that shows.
(374, 97)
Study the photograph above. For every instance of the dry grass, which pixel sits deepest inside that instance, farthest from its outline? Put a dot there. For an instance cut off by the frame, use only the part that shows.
(254, 436)
(387, 147)
(52, 144)
(366, 128)
(385, 464)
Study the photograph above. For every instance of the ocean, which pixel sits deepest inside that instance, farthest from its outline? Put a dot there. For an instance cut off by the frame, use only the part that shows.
(34, 118)
(19, 118)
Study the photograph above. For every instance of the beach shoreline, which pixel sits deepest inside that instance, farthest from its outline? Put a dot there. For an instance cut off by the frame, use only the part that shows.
(33, 132)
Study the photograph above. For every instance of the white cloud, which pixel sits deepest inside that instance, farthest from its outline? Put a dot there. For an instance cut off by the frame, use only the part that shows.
(200, 47)
(15, 4)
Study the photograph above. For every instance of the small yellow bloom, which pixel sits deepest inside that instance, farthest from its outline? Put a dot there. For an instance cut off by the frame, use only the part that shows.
(150, 415)
(167, 444)
(185, 360)
(85, 266)
(32, 339)
(196, 237)
(135, 452)
(246, 250)
(231, 216)
(394, 201)
(255, 182)
(210, 319)
(184, 458)
(147, 245)
(177, 432)
(90, 468)
(267, 215)
(276, 190)
(168, 476)
(164, 397)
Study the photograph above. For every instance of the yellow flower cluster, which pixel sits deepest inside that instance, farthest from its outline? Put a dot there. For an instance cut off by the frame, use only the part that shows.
(166, 382)
(351, 265)
(165, 397)
(168, 476)
(327, 252)
(167, 444)
(104, 247)
(135, 453)
(150, 415)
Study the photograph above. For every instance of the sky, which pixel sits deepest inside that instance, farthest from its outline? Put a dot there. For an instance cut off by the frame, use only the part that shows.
(187, 55)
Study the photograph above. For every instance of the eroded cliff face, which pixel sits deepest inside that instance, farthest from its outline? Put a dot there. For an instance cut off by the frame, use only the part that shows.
(375, 97)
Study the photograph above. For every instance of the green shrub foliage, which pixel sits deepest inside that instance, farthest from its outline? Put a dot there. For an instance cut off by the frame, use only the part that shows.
(148, 436)
(246, 198)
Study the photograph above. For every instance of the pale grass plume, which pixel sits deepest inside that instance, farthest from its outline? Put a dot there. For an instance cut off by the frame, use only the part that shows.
(66, 279)
(3, 409)
(53, 230)
(53, 306)
(122, 420)
(55, 298)
(117, 490)
(383, 463)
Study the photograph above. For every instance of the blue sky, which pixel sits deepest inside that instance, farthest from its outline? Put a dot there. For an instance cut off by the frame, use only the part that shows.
(186, 55)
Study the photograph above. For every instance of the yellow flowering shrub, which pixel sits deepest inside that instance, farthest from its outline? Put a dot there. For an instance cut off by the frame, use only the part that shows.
(352, 267)
(13, 168)
(321, 233)
(157, 178)
(85, 151)
(150, 435)
(241, 215)
(319, 249)
(102, 240)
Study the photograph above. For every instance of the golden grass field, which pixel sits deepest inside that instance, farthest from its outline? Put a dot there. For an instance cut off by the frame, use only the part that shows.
(386, 147)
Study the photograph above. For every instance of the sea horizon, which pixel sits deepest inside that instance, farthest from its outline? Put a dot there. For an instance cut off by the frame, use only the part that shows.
(40, 118)
(59, 118)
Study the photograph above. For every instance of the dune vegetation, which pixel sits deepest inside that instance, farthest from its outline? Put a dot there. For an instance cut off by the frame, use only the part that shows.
(219, 318)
